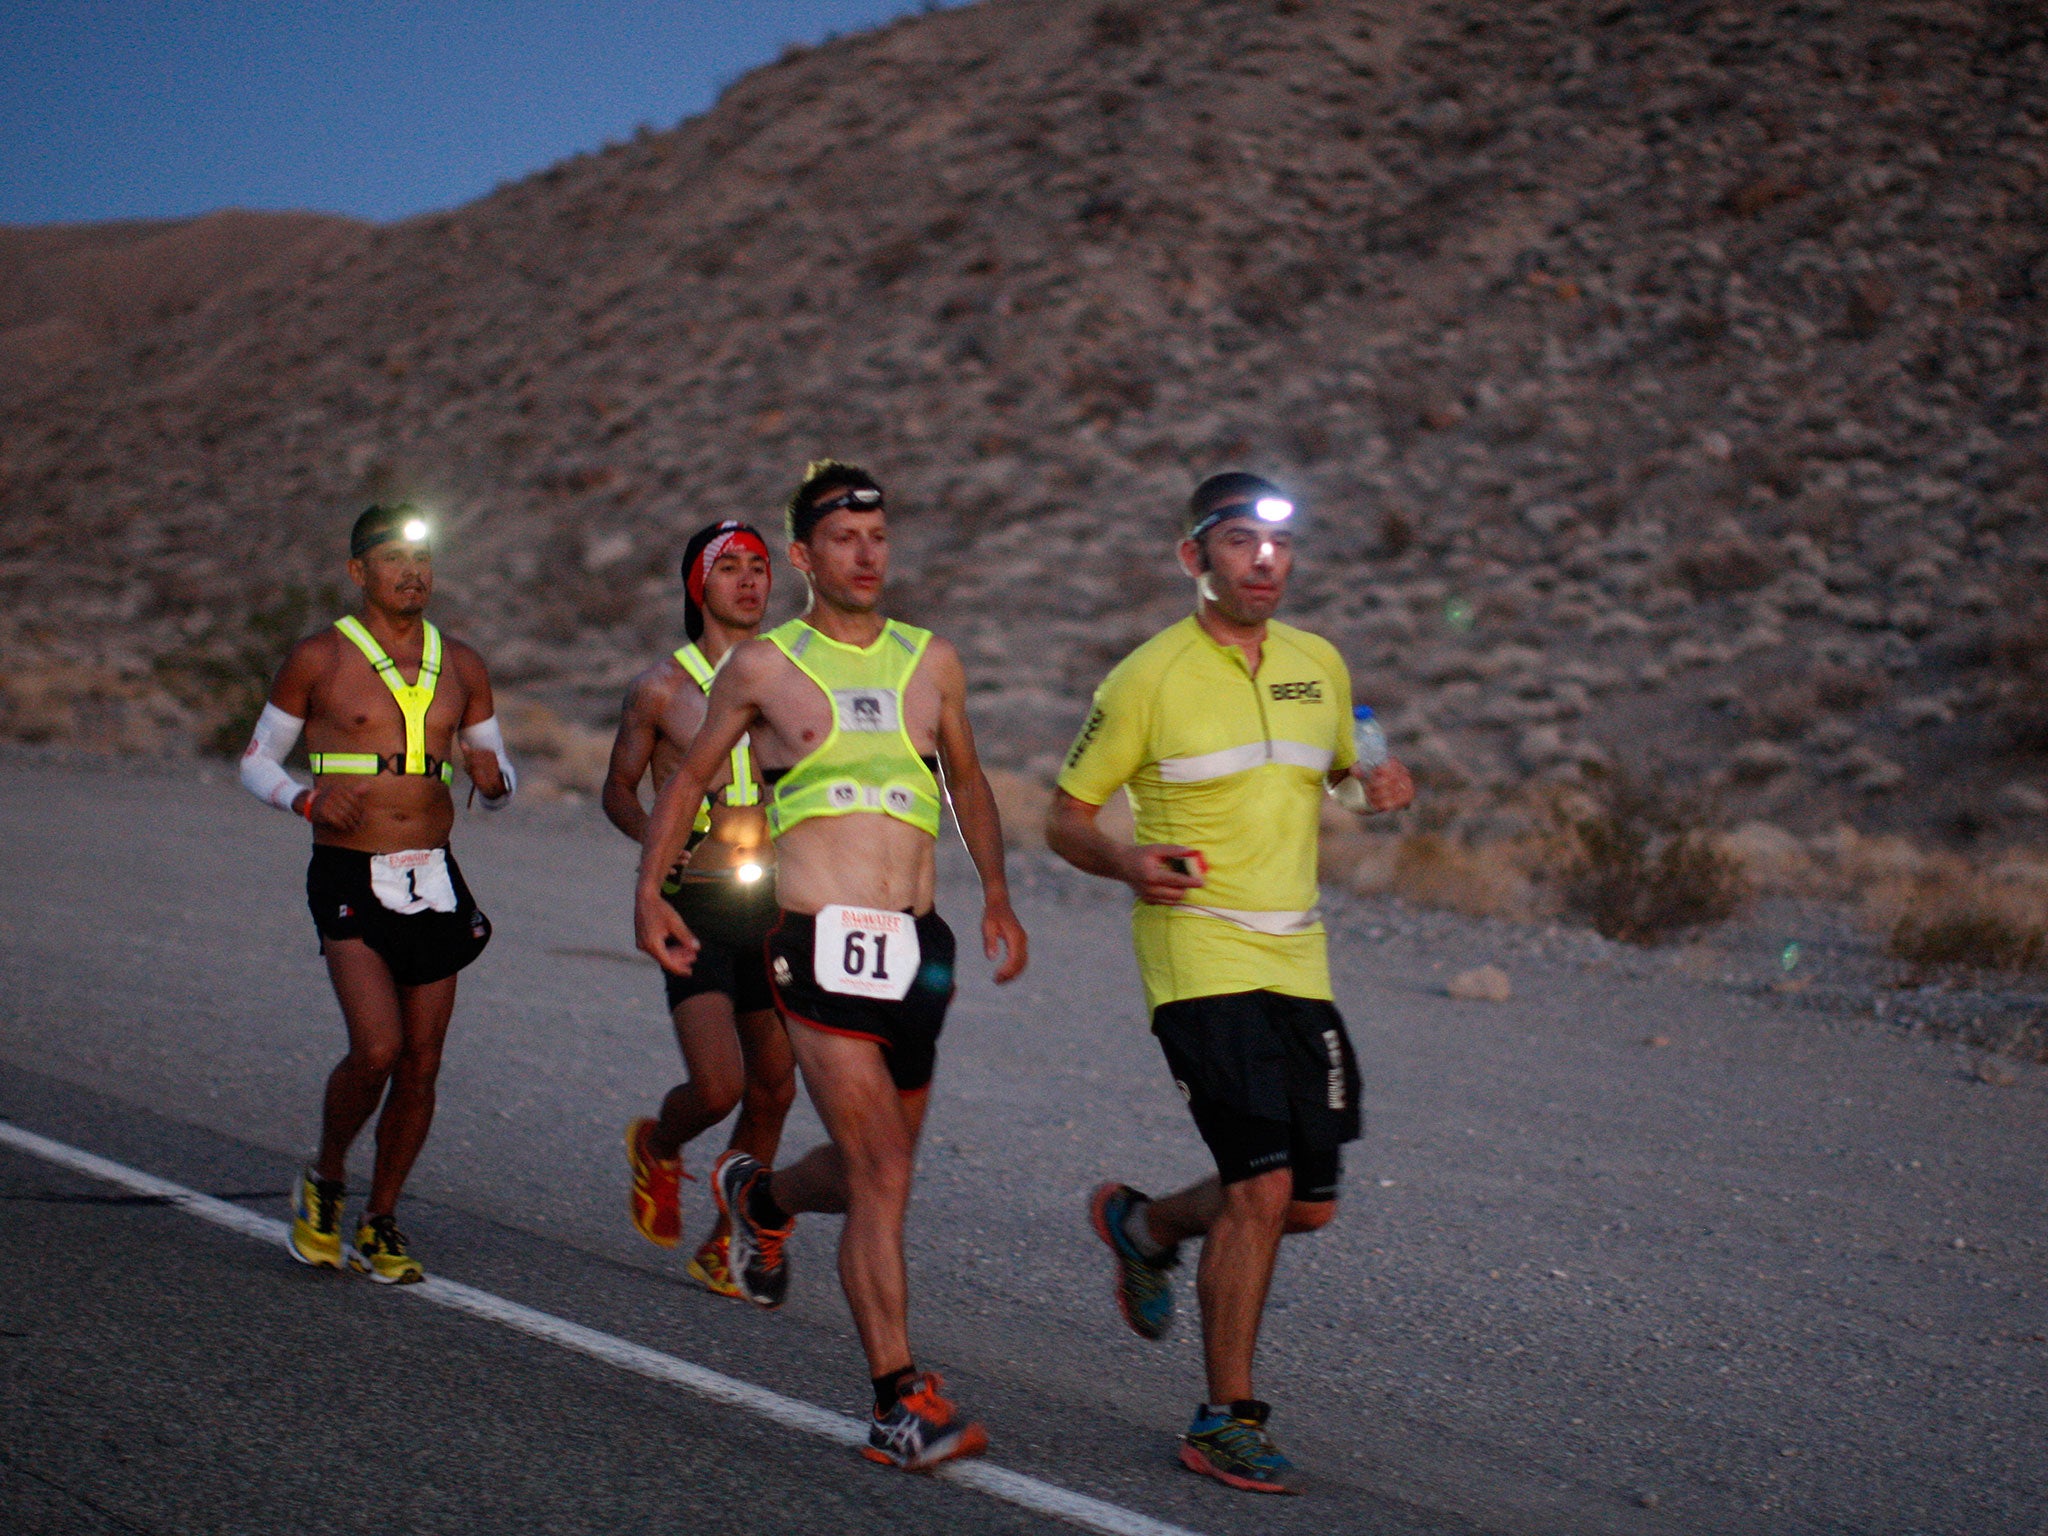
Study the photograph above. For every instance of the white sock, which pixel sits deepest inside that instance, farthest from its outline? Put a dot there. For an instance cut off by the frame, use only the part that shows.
(1139, 1231)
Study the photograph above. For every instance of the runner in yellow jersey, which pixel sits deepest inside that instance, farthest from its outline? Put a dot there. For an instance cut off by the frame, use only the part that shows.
(1226, 729)
(851, 715)
(384, 698)
(732, 1043)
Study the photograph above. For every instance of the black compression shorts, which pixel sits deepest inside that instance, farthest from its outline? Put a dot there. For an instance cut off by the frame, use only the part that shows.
(1271, 1081)
(907, 1031)
(419, 947)
(740, 971)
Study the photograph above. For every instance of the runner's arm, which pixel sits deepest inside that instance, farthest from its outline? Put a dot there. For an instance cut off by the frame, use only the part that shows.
(632, 752)
(482, 741)
(975, 813)
(1071, 831)
(277, 730)
(1113, 745)
(728, 712)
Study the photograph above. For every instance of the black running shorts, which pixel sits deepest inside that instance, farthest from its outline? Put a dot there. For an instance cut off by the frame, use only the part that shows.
(419, 947)
(740, 971)
(907, 1031)
(1271, 1080)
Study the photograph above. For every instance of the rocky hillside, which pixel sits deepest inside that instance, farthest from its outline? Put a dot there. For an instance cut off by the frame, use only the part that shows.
(1665, 381)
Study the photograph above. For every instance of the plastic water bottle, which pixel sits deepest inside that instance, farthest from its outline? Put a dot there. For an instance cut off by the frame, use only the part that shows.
(1370, 741)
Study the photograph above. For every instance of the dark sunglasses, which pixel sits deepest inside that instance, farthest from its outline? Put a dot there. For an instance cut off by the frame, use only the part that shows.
(863, 497)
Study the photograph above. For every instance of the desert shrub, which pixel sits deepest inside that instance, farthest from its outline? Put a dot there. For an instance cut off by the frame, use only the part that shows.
(1120, 25)
(225, 675)
(1946, 915)
(1646, 865)
(1975, 939)
(2018, 681)
(1433, 869)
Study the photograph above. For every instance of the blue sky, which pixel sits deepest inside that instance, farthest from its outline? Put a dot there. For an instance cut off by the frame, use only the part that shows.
(378, 108)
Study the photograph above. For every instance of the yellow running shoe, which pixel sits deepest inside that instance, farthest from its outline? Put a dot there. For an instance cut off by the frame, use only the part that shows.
(380, 1253)
(316, 1221)
(655, 1200)
(709, 1268)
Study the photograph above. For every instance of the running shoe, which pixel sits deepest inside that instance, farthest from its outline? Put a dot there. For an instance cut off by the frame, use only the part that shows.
(1233, 1447)
(922, 1430)
(655, 1199)
(380, 1253)
(316, 1221)
(1144, 1287)
(712, 1270)
(754, 1256)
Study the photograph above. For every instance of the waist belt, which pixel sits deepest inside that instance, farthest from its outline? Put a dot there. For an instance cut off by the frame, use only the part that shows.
(370, 762)
(1278, 924)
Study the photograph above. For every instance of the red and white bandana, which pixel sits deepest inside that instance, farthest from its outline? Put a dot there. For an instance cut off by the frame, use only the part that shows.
(733, 538)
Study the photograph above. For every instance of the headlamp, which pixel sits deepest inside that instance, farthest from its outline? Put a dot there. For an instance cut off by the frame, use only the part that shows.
(1270, 510)
(415, 530)
(862, 498)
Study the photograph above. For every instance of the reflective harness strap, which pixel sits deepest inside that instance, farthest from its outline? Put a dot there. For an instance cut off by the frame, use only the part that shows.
(414, 699)
(744, 789)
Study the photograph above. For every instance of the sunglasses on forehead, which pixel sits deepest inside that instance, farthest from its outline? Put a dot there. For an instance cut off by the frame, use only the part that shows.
(862, 498)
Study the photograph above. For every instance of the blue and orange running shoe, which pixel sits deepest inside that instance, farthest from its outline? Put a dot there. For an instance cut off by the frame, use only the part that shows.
(1144, 1286)
(1233, 1447)
(922, 1430)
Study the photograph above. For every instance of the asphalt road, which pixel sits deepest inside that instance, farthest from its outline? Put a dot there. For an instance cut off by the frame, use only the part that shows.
(1782, 1275)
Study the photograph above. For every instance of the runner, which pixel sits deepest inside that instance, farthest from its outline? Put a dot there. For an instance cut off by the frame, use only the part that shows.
(1225, 728)
(395, 918)
(732, 1042)
(849, 714)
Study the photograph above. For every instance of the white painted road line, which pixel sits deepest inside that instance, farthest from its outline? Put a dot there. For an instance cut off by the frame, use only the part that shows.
(982, 1476)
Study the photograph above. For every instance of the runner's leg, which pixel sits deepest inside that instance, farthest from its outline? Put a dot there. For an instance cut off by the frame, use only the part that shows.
(1235, 1273)
(376, 1034)
(874, 1130)
(408, 1115)
(770, 1084)
(1191, 1212)
(711, 1053)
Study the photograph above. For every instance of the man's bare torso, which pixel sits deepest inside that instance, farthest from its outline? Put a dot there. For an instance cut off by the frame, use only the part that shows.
(351, 710)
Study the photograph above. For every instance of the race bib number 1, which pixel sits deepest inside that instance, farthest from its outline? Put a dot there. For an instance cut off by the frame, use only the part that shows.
(413, 881)
(862, 952)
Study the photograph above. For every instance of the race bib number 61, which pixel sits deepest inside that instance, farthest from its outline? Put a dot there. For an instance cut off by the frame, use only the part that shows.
(863, 952)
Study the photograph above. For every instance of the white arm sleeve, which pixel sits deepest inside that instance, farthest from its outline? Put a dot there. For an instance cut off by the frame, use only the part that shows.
(263, 772)
(485, 736)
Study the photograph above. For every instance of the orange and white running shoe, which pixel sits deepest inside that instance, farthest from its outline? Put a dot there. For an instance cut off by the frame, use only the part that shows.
(922, 1430)
(656, 1197)
(711, 1268)
(754, 1254)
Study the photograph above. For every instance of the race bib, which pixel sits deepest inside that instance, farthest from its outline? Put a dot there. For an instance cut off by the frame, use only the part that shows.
(861, 952)
(866, 709)
(413, 881)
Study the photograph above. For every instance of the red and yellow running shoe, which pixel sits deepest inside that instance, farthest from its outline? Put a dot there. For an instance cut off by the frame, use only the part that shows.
(656, 1197)
(712, 1270)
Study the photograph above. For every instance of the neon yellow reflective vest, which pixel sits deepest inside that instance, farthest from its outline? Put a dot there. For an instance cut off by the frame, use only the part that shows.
(414, 699)
(868, 762)
(744, 789)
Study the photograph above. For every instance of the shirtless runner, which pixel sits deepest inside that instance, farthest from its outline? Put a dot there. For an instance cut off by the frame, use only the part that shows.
(849, 714)
(732, 1042)
(395, 917)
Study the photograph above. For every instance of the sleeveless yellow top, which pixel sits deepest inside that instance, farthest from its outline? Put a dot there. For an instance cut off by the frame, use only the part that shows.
(868, 762)
(743, 790)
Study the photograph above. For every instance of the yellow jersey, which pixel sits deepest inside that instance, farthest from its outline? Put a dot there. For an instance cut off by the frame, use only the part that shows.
(1235, 765)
